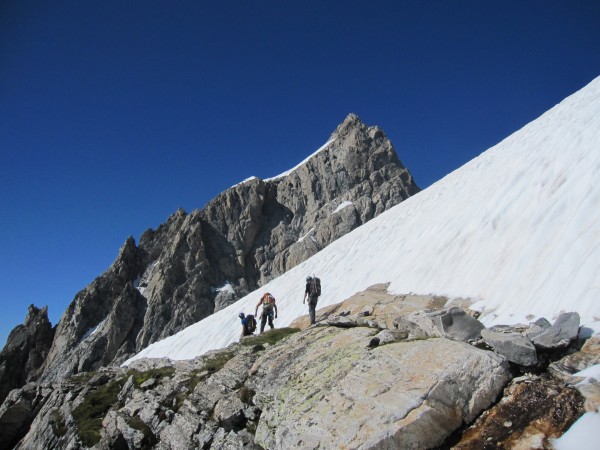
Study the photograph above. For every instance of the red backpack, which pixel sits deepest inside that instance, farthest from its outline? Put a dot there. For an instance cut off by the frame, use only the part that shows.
(268, 301)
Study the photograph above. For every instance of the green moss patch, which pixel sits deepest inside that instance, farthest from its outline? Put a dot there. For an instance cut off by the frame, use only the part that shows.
(216, 362)
(140, 378)
(270, 337)
(89, 414)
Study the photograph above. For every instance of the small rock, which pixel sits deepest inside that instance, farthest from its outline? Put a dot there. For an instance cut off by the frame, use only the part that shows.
(373, 342)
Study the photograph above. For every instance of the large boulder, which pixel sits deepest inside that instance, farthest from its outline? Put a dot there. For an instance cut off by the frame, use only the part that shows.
(515, 347)
(562, 332)
(456, 324)
(328, 388)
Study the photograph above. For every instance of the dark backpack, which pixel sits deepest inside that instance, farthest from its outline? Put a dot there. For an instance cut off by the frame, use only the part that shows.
(314, 287)
(250, 323)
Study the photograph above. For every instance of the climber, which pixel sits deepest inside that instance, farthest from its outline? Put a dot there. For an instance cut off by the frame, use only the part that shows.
(248, 324)
(313, 291)
(269, 308)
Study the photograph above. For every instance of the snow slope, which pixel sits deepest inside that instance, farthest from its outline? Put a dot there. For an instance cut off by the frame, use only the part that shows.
(517, 229)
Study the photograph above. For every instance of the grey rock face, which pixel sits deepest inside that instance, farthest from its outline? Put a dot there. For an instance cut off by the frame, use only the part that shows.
(25, 351)
(243, 238)
(19, 410)
(515, 347)
(562, 332)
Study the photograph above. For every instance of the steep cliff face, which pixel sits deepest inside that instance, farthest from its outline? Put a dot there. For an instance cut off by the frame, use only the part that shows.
(198, 263)
(25, 351)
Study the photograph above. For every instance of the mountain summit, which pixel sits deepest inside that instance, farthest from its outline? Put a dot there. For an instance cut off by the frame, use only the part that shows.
(198, 263)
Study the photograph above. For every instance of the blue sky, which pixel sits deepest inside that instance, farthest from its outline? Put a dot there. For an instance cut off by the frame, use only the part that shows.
(115, 114)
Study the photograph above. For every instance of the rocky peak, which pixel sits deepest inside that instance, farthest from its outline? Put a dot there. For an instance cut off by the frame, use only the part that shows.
(25, 351)
(351, 122)
(195, 264)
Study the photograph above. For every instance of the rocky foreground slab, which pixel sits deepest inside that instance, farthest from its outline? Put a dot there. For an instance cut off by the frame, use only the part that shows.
(377, 371)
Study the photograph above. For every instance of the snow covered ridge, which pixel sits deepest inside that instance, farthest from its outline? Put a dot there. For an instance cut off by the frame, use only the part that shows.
(287, 172)
(517, 229)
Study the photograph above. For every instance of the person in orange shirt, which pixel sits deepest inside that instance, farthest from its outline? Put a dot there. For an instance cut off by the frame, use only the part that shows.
(269, 311)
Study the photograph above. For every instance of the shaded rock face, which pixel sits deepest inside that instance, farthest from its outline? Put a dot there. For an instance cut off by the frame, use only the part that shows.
(243, 238)
(93, 330)
(25, 351)
(18, 411)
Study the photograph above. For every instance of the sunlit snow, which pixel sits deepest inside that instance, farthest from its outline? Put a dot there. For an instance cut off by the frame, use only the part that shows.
(93, 330)
(287, 172)
(227, 287)
(341, 206)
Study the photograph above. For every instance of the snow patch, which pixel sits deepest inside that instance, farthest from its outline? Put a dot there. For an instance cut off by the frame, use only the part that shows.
(581, 434)
(341, 206)
(306, 235)
(590, 375)
(141, 283)
(227, 287)
(245, 181)
(93, 330)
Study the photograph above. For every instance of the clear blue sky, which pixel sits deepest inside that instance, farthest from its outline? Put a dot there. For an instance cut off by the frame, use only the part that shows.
(113, 114)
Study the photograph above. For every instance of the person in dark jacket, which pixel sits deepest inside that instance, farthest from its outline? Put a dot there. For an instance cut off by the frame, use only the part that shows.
(312, 291)
(248, 324)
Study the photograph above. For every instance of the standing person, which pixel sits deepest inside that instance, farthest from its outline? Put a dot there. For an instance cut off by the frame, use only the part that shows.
(269, 308)
(313, 291)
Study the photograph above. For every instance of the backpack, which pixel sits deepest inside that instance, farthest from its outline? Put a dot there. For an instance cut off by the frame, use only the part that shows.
(250, 323)
(314, 287)
(268, 300)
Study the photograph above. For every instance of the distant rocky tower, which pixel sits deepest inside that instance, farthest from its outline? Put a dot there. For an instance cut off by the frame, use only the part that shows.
(197, 263)
(25, 351)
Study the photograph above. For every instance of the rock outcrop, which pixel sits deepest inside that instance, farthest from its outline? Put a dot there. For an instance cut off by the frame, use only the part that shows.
(326, 386)
(25, 351)
(197, 263)
(327, 389)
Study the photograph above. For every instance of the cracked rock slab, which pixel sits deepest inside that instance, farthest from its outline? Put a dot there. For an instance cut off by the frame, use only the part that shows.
(327, 390)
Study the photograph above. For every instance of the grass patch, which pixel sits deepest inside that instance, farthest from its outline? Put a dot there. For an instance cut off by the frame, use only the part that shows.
(270, 337)
(217, 361)
(89, 414)
(140, 378)
(83, 377)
